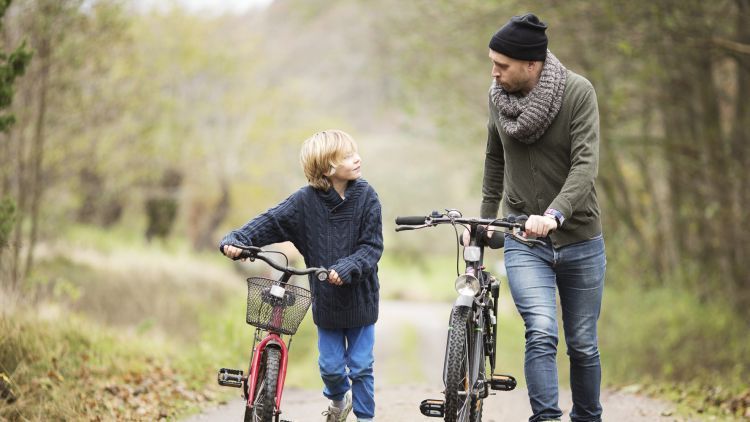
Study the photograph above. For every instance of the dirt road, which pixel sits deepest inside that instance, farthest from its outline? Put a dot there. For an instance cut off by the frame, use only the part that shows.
(403, 381)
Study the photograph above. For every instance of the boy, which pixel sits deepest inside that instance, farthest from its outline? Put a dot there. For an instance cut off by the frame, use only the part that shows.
(335, 223)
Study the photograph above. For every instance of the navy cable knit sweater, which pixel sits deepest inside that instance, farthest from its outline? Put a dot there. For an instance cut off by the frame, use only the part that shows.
(345, 235)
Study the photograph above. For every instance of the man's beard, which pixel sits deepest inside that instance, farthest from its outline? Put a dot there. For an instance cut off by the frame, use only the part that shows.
(510, 89)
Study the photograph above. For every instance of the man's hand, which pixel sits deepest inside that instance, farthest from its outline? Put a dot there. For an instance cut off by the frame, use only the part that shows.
(232, 252)
(540, 225)
(466, 236)
(333, 278)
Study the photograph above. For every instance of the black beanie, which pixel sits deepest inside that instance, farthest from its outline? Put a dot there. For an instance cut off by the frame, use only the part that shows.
(522, 38)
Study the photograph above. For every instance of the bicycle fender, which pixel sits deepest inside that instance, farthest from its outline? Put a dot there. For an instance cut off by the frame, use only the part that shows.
(464, 301)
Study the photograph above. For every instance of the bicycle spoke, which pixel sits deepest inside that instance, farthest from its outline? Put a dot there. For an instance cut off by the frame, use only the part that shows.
(465, 411)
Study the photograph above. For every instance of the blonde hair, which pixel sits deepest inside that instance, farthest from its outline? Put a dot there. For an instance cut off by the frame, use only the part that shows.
(322, 153)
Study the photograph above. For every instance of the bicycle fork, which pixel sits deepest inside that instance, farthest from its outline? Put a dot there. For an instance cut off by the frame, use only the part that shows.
(271, 340)
(235, 377)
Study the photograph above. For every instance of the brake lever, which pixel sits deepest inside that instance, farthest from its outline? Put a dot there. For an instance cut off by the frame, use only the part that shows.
(528, 242)
(402, 228)
(248, 252)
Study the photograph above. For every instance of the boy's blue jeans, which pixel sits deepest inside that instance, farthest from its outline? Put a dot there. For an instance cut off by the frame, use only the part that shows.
(534, 276)
(352, 349)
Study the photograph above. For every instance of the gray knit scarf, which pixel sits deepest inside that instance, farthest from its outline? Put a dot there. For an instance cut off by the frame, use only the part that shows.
(527, 118)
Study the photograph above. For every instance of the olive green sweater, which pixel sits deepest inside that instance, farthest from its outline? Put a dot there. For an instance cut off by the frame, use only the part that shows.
(557, 171)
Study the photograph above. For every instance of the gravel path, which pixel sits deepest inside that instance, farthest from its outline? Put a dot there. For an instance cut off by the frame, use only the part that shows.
(399, 390)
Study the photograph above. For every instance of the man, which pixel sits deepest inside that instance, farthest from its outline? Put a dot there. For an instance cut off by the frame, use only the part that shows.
(541, 160)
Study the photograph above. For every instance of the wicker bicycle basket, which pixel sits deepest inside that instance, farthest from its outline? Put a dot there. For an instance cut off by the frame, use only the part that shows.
(272, 313)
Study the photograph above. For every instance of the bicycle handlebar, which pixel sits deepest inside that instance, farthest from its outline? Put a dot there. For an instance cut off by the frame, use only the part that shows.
(514, 223)
(518, 223)
(254, 252)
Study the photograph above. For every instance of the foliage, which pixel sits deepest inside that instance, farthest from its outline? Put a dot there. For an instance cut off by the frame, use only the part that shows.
(67, 369)
(650, 350)
(7, 220)
(667, 341)
(12, 66)
(670, 78)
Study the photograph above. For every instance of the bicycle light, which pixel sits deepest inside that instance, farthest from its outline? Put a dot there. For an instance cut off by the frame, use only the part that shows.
(467, 285)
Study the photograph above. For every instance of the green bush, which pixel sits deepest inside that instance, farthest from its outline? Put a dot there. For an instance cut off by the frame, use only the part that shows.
(669, 335)
(7, 220)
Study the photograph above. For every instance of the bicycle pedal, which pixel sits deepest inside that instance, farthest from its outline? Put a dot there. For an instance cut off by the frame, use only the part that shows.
(433, 408)
(230, 377)
(502, 382)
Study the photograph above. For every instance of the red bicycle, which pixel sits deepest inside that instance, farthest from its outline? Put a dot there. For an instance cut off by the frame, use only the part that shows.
(275, 308)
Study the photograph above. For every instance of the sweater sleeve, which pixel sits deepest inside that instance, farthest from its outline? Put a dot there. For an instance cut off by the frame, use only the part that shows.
(369, 247)
(494, 168)
(278, 224)
(584, 155)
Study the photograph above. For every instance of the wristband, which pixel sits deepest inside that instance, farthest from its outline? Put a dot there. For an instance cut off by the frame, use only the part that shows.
(557, 215)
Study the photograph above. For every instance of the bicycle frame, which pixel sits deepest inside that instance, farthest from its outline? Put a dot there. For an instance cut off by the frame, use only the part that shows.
(475, 351)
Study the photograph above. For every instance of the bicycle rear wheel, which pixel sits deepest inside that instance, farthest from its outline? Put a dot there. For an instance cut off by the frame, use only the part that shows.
(459, 405)
(265, 392)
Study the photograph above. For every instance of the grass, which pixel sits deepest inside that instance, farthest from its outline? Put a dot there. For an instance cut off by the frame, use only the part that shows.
(667, 342)
(145, 314)
(67, 368)
(667, 329)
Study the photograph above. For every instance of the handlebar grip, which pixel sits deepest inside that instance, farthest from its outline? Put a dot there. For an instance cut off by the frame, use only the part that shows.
(413, 220)
(248, 251)
(497, 240)
(321, 275)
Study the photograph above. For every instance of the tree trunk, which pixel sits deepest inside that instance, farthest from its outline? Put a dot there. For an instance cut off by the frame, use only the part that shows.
(205, 238)
(22, 190)
(37, 157)
(740, 252)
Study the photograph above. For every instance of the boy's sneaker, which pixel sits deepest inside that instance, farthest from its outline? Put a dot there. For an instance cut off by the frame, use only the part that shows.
(338, 414)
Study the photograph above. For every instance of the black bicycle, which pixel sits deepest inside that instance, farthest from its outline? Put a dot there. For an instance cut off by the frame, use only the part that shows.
(472, 331)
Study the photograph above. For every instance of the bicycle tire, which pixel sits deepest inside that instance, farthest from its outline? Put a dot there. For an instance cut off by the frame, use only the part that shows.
(457, 369)
(265, 393)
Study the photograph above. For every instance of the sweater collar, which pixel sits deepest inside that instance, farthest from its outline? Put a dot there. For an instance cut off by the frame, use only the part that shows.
(332, 199)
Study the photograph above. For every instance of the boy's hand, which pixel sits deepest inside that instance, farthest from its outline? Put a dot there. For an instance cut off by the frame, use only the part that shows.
(232, 252)
(333, 278)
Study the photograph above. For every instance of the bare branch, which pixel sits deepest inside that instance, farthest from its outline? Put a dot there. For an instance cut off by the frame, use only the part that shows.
(733, 46)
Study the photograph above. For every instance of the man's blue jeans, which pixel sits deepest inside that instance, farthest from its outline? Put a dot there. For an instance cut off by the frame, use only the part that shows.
(534, 276)
(350, 348)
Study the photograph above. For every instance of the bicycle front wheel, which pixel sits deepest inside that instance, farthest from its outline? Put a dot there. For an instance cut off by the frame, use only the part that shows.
(265, 392)
(459, 404)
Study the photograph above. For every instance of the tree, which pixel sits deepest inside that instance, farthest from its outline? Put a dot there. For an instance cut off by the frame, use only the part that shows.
(61, 34)
(12, 65)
